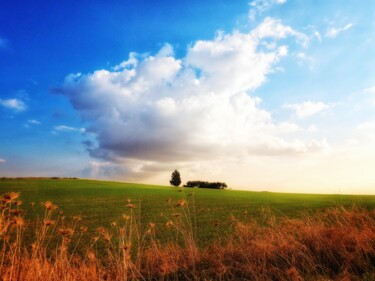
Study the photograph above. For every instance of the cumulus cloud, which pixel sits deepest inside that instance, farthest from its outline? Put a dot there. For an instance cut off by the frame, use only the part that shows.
(332, 32)
(158, 110)
(307, 109)
(13, 104)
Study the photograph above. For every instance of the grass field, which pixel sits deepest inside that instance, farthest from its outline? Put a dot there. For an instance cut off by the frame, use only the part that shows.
(117, 231)
(100, 203)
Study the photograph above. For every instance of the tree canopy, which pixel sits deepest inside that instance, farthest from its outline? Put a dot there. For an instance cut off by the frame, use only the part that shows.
(175, 178)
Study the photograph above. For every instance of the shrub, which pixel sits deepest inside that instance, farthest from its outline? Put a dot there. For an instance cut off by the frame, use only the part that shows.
(205, 184)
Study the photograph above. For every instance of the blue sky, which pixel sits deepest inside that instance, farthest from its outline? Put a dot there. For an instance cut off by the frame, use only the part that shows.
(265, 95)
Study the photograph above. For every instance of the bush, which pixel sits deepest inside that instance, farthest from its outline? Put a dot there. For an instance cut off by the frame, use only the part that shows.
(206, 184)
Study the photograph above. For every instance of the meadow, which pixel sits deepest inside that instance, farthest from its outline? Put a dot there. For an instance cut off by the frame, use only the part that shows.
(95, 230)
(100, 203)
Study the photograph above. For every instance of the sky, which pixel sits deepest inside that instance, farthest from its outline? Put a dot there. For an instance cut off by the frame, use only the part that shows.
(265, 95)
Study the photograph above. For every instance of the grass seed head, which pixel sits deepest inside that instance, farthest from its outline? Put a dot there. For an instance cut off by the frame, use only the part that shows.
(77, 218)
(107, 237)
(91, 256)
(126, 247)
(101, 230)
(10, 196)
(5, 200)
(49, 206)
(18, 203)
(104, 233)
(180, 203)
(18, 221)
(131, 206)
(83, 229)
(49, 222)
(293, 274)
(65, 231)
(122, 231)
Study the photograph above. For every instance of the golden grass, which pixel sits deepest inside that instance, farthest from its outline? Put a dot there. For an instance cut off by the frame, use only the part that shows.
(335, 244)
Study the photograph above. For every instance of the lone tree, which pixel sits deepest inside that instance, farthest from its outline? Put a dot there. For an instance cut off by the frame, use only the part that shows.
(175, 178)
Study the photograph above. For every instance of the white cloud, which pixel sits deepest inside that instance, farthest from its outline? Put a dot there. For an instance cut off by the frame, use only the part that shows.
(130, 63)
(64, 128)
(33, 122)
(317, 35)
(370, 90)
(307, 109)
(2, 161)
(366, 132)
(367, 126)
(99, 169)
(302, 58)
(258, 7)
(14, 104)
(273, 28)
(156, 112)
(312, 128)
(346, 27)
(332, 32)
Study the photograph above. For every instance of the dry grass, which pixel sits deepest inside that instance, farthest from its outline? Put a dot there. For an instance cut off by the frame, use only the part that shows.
(336, 244)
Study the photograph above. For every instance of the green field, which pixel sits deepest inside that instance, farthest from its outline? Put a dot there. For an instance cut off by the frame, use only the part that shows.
(100, 203)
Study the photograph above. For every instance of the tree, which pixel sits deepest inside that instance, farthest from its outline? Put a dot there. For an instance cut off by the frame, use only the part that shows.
(175, 178)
